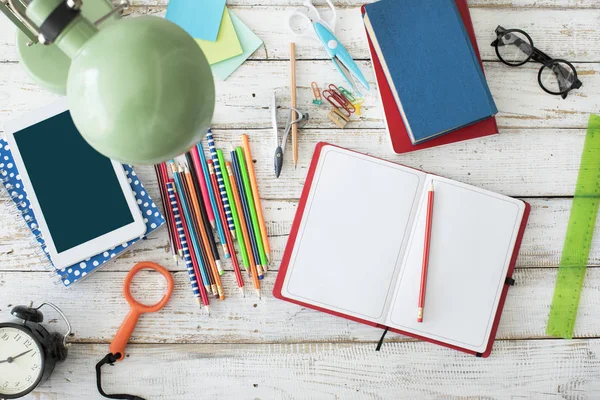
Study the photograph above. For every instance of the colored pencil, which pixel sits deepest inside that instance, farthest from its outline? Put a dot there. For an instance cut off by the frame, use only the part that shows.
(197, 167)
(243, 236)
(189, 226)
(193, 271)
(203, 213)
(256, 194)
(244, 200)
(425, 267)
(234, 261)
(167, 212)
(213, 201)
(204, 234)
(222, 193)
(252, 208)
(233, 206)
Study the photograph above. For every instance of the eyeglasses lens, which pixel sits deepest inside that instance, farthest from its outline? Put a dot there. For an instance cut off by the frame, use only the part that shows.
(557, 77)
(514, 48)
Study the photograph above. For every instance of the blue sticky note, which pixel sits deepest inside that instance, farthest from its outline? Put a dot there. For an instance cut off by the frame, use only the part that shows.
(200, 18)
(250, 43)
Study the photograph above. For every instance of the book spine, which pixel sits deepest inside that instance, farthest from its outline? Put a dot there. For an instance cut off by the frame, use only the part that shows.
(16, 206)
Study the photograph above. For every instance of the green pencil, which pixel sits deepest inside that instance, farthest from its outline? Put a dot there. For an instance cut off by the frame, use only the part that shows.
(251, 206)
(234, 213)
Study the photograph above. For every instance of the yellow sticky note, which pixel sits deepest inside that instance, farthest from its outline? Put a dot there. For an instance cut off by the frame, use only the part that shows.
(227, 44)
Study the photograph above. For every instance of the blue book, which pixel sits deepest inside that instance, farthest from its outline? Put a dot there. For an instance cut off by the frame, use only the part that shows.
(430, 64)
(11, 183)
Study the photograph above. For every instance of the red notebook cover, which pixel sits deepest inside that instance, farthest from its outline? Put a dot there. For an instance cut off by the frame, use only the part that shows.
(399, 137)
(292, 241)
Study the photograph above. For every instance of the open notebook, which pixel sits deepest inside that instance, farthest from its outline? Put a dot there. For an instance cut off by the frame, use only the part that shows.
(356, 249)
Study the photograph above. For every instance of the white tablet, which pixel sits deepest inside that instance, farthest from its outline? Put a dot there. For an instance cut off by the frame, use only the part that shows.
(82, 200)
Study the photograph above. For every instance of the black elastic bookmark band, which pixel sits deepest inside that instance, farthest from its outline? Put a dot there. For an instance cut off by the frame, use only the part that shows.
(57, 21)
(378, 348)
(110, 359)
(509, 281)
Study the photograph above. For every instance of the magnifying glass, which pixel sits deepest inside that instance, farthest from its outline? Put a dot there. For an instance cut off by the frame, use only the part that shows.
(117, 346)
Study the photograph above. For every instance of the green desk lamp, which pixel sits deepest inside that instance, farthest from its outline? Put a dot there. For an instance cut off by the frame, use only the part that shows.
(139, 89)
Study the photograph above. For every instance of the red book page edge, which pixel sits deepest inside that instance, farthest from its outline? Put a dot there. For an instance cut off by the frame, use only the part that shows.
(395, 124)
(294, 235)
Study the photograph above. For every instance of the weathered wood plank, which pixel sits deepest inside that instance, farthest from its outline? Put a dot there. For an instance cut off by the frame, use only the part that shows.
(548, 369)
(250, 320)
(542, 244)
(243, 100)
(571, 35)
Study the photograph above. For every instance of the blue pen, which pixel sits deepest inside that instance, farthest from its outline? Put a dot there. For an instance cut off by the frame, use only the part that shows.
(244, 200)
(213, 202)
(190, 224)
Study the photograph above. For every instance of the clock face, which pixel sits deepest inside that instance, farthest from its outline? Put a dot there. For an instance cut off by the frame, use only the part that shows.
(20, 361)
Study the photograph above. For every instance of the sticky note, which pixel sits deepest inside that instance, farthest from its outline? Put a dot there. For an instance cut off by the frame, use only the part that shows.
(227, 44)
(200, 18)
(250, 43)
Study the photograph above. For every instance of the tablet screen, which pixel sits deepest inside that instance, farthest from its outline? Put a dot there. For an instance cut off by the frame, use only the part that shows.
(76, 187)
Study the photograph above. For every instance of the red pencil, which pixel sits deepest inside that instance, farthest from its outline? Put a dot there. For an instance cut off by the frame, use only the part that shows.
(425, 253)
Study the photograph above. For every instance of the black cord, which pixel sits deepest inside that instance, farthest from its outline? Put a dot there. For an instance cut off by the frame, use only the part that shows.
(110, 359)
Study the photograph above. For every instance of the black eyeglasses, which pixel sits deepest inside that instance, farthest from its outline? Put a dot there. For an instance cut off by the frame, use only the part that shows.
(514, 47)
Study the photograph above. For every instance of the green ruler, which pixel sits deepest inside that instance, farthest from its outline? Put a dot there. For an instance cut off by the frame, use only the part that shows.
(578, 242)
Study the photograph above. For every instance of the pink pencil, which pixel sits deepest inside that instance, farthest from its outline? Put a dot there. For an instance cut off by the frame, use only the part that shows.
(203, 186)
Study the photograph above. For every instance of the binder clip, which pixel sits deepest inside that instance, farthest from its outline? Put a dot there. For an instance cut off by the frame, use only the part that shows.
(338, 118)
(318, 100)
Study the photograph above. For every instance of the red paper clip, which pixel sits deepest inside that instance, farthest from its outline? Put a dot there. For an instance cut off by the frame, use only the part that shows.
(336, 99)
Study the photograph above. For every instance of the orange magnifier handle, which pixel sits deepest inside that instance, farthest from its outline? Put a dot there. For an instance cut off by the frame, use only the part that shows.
(137, 309)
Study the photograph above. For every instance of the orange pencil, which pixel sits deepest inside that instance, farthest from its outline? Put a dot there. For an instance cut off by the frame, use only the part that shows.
(425, 254)
(256, 195)
(203, 234)
(238, 204)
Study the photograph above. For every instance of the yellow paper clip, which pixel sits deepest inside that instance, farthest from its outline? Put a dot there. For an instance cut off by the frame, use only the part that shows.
(357, 105)
(318, 100)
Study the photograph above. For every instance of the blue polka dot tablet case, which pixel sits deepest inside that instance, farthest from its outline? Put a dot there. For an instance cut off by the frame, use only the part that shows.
(12, 184)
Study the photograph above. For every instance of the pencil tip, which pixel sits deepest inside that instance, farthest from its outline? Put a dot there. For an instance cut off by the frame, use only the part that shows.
(208, 310)
(258, 293)
(431, 186)
(212, 223)
(243, 292)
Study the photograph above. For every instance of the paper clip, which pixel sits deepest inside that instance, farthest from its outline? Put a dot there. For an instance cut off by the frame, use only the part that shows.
(335, 98)
(318, 100)
(347, 94)
(357, 105)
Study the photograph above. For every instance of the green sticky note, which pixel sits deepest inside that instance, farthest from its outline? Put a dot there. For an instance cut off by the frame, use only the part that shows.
(250, 43)
(227, 44)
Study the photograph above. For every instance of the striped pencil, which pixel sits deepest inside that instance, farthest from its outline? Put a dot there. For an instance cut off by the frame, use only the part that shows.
(213, 201)
(168, 213)
(204, 235)
(189, 225)
(221, 184)
(193, 270)
(234, 260)
(202, 211)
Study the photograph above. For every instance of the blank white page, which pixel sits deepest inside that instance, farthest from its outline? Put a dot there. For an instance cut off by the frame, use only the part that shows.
(350, 240)
(474, 233)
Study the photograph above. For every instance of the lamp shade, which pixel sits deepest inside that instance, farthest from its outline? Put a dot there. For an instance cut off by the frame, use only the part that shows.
(140, 90)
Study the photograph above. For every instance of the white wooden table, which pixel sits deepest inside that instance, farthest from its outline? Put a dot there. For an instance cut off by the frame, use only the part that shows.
(267, 349)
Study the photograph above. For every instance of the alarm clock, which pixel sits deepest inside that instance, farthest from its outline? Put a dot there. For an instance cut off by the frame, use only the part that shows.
(28, 352)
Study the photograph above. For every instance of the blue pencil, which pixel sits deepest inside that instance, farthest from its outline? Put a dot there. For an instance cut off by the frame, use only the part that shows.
(193, 237)
(244, 200)
(213, 201)
(221, 183)
(181, 233)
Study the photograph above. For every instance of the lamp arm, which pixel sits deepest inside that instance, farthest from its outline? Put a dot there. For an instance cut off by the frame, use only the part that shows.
(18, 18)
